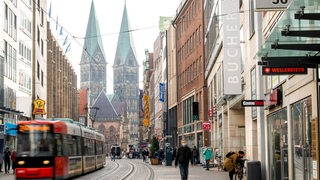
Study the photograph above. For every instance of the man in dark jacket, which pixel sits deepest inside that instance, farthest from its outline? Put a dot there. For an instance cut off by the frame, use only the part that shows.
(6, 158)
(184, 156)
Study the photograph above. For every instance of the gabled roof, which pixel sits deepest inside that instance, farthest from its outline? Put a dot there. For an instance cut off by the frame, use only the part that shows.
(125, 48)
(93, 36)
(106, 109)
(119, 106)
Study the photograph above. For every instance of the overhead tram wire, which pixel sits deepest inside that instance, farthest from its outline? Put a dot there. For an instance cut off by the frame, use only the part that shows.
(75, 38)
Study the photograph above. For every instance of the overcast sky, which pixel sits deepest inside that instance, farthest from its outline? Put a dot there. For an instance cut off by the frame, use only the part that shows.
(143, 15)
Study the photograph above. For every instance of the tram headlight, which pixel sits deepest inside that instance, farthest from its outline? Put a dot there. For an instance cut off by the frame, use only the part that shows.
(46, 162)
(21, 162)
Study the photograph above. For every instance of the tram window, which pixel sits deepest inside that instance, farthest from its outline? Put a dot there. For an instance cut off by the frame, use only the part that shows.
(58, 144)
(88, 146)
(99, 147)
(71, 145)
(65, 145)
(35, 144)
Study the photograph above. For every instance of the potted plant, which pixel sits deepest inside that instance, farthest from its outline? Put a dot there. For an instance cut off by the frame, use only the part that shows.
(153, 149)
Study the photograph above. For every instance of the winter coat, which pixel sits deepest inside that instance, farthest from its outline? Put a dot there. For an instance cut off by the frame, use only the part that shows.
(184, 156)
(6, 155)
(230, 163)
(207, 154)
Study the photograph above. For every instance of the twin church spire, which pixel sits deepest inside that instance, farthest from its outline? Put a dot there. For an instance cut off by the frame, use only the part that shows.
(93, 60)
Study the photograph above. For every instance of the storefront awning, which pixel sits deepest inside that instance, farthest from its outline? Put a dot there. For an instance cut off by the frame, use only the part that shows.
(5, 110)
(295, 39)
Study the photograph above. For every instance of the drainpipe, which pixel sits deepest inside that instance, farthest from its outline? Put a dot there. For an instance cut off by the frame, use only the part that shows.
(260, 114)
(318, 112)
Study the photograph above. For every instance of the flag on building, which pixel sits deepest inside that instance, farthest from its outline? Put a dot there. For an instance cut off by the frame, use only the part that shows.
(49, 13)
(61, 31)
(65, 41)
(57, 24)
(68, 48)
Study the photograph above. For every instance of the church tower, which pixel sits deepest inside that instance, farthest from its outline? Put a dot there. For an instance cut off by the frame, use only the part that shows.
(93, 62)
(126, 77)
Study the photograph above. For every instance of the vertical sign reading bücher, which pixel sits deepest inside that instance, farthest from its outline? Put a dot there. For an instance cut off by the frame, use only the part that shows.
(231, 49)
(162, 91)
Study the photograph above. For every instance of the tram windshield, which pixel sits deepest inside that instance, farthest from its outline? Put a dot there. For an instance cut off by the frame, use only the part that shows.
(35, 140)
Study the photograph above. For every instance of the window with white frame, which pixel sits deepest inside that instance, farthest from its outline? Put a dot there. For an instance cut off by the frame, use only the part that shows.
(25, 52)
(25, 23)
(10, 62)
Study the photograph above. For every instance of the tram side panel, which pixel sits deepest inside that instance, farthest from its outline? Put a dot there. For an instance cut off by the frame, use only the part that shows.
(72, 149)
(88, 150)
(100, 151)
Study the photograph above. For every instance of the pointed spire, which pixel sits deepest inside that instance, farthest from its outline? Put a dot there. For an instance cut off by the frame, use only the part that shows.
(125, 46)
(93, 35)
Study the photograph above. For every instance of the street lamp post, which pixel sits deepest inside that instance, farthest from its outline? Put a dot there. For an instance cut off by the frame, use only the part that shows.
(92, 113)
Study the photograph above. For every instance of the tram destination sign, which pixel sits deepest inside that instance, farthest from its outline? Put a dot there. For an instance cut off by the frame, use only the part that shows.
(250, 103)
(267, 70)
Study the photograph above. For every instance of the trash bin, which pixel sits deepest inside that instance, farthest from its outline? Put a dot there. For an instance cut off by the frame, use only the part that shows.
(168, 156)
(254, 170)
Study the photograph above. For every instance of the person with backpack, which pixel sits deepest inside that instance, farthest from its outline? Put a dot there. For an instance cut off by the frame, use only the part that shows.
(183, 158)
(207, 156)
(231, 161)
(6, 158)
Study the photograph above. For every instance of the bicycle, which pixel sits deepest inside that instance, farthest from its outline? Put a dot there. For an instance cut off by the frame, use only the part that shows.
(240, 170)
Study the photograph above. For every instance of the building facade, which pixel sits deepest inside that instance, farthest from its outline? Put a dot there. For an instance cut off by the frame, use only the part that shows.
(191, 84)
(23, 58)
(158, 73)
(292, 115)
(222, 45)
(39, 54)
(62, 95)
(282, 133)
(172, 85)
(148, 125)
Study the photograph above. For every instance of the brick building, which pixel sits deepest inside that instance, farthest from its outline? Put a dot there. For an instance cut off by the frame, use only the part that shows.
(191, 82)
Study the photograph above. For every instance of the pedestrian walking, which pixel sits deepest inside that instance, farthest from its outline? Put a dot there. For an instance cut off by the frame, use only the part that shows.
(207, 156)
(13, 160)
(195, 153)
(145, 155)
(183, 158)
(1, 161)
(113, 156)
(6, 158)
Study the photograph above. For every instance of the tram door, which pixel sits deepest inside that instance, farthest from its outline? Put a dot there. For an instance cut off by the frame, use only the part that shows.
(302, 128)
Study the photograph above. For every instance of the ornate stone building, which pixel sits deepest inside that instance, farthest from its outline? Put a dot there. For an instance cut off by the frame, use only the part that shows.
(126, 77)
(93, 62)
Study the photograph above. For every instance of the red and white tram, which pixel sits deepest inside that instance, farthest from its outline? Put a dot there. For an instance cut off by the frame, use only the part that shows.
(57, 149)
